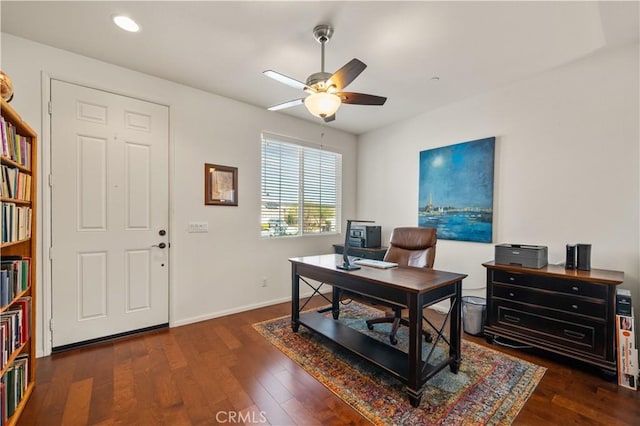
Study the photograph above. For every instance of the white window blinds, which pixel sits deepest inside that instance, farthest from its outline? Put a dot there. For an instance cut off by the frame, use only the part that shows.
(301, 188)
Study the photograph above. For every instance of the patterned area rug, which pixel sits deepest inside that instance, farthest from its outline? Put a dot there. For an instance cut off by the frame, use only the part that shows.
(489, 389)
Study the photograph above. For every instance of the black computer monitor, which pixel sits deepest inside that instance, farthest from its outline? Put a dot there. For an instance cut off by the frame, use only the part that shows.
(346, 264)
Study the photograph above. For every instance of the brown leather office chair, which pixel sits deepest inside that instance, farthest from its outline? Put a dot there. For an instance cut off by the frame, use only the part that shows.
(408, 246)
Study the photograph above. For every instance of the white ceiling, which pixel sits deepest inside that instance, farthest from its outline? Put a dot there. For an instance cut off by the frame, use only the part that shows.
(223, 47)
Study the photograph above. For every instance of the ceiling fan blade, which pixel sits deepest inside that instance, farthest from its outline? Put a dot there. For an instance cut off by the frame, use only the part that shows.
(347, 73)
(329, 118)
(288, 104)
(285, 79)
(361, 98)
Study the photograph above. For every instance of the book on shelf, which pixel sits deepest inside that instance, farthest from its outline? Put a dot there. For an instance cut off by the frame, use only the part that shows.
(15, 147)
(4, 350)
(14, 277)
(14, 183)
(4, 149)
(24, 305)
(14, 383)
(14, 332)
(16, 222)
(15, 329)
(8, 322)
(9, 381)
(3, 404)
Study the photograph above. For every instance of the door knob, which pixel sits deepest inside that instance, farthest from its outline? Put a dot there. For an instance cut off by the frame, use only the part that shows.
(161, 245)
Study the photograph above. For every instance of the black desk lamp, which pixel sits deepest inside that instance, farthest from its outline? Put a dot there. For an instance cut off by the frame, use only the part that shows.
(346, 265)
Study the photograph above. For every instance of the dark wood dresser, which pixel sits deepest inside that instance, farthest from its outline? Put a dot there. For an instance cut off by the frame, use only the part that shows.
(568, 312)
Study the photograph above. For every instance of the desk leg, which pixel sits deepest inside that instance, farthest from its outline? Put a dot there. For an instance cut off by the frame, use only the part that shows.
(335, 303)
(414, 384)
(455, 348)
(295, 299)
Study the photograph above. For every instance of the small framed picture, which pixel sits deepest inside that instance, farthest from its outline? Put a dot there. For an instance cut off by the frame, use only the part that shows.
(220, 185)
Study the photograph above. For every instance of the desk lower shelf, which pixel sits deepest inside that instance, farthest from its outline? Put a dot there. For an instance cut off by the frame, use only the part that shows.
(392, 360)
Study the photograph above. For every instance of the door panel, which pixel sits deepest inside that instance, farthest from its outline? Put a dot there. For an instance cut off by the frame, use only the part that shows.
(109, 166)
(92, 285)
(138, 186)
(91, 197)
(138, 280)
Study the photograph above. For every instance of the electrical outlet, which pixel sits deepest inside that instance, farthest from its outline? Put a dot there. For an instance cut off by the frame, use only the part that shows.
(198, 227)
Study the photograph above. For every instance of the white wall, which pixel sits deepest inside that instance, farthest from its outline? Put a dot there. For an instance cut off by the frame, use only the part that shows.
(566, 171)
(566, 168)
(219, 272)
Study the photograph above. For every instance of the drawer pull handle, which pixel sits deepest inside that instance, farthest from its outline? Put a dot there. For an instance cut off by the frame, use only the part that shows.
(512, 279)
(575, 288)
(511, 318)
(574, 306)
(511, 294)
(574, 334)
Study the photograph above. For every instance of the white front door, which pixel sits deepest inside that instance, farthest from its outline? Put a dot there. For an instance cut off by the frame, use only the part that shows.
(109, 214)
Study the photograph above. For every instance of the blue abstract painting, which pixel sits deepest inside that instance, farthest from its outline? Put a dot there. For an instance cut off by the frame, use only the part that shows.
(456, 190)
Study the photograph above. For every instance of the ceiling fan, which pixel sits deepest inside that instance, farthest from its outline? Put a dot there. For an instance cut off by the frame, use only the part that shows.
(325, 89)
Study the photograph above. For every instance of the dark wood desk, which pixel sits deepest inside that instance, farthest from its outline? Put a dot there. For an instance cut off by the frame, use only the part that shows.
(413, 288)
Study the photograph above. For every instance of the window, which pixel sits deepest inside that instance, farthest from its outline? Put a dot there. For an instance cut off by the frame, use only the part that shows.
(301, 188)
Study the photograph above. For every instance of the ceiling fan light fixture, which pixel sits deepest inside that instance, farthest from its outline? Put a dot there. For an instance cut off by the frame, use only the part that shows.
(326, 90)
(322, 104)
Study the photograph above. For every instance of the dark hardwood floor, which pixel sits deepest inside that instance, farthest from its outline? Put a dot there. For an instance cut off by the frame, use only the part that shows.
(223, 372)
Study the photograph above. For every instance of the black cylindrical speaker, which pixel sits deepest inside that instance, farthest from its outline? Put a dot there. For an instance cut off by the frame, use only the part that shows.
(584, 257)
(570, 263)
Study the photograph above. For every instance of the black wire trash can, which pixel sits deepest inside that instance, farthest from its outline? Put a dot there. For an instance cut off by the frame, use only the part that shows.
(474, 313)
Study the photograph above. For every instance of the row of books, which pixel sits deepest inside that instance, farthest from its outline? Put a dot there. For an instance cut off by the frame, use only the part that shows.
(13, 386)
(14, 278)
(15, 328)
(14, 183)
(16, 222)
(14, 146)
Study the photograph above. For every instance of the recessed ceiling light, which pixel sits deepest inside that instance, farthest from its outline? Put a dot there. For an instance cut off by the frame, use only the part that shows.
(126, 23)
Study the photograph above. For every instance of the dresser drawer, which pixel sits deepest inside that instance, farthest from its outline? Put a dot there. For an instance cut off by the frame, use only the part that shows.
(540, 325)
(573, 304)
(568, 285)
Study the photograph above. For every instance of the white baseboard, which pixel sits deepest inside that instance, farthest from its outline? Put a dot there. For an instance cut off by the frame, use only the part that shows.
(238, 309)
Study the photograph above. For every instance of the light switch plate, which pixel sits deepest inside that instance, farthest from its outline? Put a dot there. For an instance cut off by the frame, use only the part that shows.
(198, 227)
